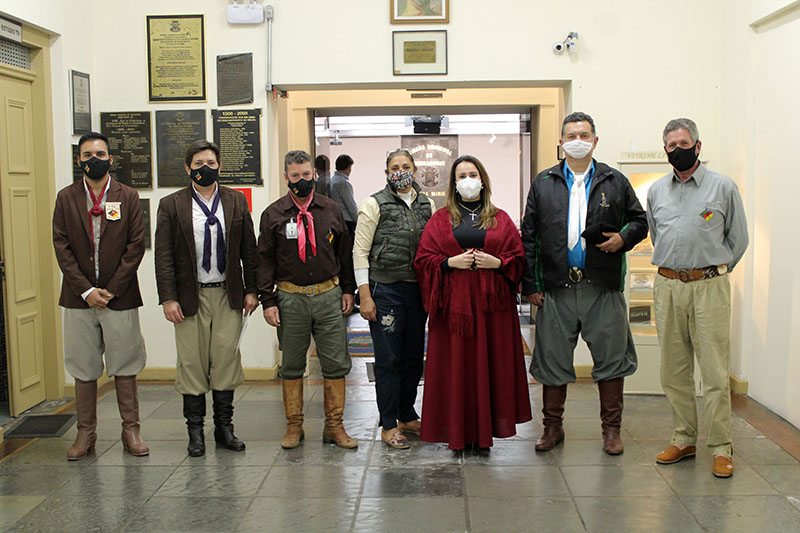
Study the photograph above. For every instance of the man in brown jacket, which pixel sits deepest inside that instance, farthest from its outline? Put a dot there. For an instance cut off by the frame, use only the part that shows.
(98, 236)
(205, 257)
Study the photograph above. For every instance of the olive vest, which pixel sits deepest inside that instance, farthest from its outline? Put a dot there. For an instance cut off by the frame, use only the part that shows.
(394, 245)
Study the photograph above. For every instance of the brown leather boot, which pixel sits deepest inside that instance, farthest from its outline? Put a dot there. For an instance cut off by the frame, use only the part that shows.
(293, 407)
(86, 410)
(334, 408)
(553, 399)
(128, 403)
(611, 403)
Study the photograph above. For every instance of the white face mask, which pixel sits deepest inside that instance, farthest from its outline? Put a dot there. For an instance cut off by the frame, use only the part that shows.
(577, 149)
(469, 188)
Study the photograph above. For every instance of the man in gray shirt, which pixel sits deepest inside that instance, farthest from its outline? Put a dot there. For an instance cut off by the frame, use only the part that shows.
(699, 234)
(342, 192)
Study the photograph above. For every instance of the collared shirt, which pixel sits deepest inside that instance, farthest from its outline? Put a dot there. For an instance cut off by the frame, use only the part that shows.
(199, 228)
(341, 191)
(278, 259)
(577, 256)
(369, 214)
(696, 223)
(96, 228)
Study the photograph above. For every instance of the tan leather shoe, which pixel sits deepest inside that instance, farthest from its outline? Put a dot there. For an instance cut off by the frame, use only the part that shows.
(410, 427)
(723, 466)
(673, 454)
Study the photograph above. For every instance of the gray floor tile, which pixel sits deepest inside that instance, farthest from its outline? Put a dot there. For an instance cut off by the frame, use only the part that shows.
(762, 452)
(359, 428)
(109, 410)
(312, 482)
(148, 393)
(71, 513)
(317, 453)
(361, 393)
(257, 453)
(189, 514)
(648, 427)
(636, 514)
(412, 482)
(214, 481)
(744, 513)
(502, 482)
(421, 454)
(784, 478)
(582, 409)
(363, 409)
(585, 428)
(645, 405)
(528, 431)
(13, 508)
(173, 410)
(162, 453)
(742, 429)
(298, 514)
(247, 413)
(509, 453)
(574, 452)
(701, 481)
(152, 429)
(542, 515)
(385, 514)
(274, 393)
(100, 481)
(34, 480)
(632, 480)
(54, 452)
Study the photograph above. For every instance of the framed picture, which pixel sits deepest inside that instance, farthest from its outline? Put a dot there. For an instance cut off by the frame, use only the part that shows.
(420, 11)
(81, 103)
(176, 58)
(419, 52)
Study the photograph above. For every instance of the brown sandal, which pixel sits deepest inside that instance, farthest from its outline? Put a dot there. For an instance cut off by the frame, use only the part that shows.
(395, 439)
(410, 427)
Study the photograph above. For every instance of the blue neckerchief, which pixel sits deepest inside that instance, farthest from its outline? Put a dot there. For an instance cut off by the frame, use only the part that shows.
(211, 220)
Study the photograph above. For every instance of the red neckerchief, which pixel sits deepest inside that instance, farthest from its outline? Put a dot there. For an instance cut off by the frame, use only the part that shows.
(301, 231)
(96, 210)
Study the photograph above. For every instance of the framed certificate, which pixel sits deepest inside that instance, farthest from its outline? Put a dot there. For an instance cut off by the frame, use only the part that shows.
(419, 52)
(81, 103)
(176, 58)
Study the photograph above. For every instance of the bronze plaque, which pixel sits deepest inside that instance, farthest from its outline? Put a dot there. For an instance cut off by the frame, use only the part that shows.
(175, 131)
(130, 143)
(238, 135)
(419, 51)
(235, 79)
(176, 60)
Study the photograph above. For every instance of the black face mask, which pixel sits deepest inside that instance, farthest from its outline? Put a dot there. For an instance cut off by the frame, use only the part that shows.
(302, 188)
(205, 175)
(95, 168)
(682, 158)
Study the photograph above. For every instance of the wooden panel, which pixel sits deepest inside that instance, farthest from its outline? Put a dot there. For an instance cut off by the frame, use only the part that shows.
(18, 136)
(29, 371)
(24, 259)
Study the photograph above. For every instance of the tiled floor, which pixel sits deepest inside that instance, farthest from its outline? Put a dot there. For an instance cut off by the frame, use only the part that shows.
(316, 487)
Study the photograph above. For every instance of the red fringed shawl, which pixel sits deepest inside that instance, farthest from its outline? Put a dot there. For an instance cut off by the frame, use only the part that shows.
(449, 296)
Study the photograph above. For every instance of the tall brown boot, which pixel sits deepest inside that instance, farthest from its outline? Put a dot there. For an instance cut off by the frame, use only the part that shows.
(128, 403)
(86, 409)
(334, 408)
(611, 413)
(553, 399)
(293, 407)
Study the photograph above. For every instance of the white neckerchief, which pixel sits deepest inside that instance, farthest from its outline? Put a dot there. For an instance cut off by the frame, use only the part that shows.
(577, 210)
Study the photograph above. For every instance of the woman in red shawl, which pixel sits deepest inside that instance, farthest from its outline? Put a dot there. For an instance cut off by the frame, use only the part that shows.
(469, 263)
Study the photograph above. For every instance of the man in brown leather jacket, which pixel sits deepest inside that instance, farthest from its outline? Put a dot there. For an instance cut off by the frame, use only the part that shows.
(205, 256)
(98, 236)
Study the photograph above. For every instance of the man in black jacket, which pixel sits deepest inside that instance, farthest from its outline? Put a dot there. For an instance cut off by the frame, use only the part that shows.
(580, 219)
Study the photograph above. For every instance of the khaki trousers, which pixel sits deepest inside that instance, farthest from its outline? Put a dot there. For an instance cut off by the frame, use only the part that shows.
(206, 342)
(693, 320)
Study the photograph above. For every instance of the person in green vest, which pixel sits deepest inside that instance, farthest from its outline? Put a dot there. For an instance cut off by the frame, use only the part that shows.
(390, 224)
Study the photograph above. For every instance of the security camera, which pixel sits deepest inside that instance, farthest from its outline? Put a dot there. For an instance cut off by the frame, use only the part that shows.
(558, 47)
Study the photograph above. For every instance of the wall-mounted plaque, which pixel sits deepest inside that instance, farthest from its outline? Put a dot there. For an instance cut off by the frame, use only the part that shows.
(130, 143)
(147, 227)
(77, 173)
(434, 155)
(419, 52)
(175, 131)
(238, 134)
(640, 314)
(235, 79)
(176, 60)
(81, 103)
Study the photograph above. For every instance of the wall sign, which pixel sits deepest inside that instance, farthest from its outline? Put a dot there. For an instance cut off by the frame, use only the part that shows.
(176, 58)
(175, 131)
(130, 141)
(237, 132)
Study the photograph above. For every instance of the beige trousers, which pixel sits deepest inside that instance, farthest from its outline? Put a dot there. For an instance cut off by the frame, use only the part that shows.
(206, 342)
(693, 320)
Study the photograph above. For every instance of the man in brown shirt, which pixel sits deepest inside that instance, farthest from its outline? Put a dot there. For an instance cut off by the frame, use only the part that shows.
(98, 236)
(306, 285)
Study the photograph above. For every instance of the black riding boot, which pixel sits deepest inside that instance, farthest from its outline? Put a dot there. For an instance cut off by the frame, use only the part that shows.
(223, 421)
(194, 409)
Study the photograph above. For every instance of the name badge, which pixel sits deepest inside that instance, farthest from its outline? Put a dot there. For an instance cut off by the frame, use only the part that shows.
(113, 210)
(291, 229)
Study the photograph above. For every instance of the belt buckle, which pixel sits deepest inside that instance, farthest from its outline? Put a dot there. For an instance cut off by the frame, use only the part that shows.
(684, 276)
(576, 272)
(311, 290)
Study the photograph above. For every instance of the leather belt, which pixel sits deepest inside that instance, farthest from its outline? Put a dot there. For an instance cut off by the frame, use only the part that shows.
(212, 285)
(309, 290)
(693, 274)
(576, 275)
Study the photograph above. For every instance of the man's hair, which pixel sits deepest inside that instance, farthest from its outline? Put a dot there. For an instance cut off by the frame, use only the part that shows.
(92, 135)
(197, 147)
(322, 163)
(295, 157)
(682, 123)
(343, 162)
(577, 117)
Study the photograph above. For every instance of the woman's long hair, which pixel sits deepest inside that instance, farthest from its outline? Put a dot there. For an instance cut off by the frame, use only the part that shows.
(488, 211)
